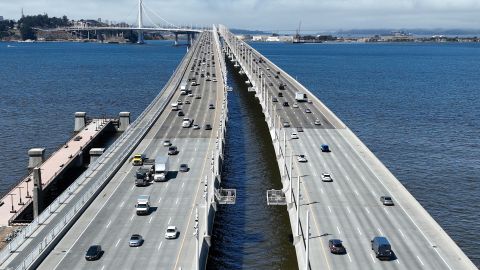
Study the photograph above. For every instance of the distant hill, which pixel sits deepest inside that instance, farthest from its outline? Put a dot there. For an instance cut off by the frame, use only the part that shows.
(418, 32)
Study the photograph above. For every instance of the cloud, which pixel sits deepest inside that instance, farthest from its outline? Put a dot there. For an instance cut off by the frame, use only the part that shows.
(268, 14)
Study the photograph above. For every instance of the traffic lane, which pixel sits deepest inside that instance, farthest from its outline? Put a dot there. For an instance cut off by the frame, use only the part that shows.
(381, 221)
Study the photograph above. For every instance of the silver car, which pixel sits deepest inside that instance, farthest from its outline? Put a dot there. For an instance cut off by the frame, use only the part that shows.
(136, 240)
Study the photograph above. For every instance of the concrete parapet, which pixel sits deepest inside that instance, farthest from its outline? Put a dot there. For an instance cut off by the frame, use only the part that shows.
(95, 153)
(80, 121)
(36, 157)
(124, 121)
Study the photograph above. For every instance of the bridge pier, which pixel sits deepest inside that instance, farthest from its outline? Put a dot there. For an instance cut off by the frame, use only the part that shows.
(189, 39)
(124, 121)
(36, 156)
(176, 39)
(80, 121)
(95, 153)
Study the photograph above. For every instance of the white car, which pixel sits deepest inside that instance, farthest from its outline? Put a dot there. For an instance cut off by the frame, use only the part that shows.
(301, 158)
(196, 126)
(171, 232)
(326, 177)
(295, 105)
(286, 124)
(317, 122)
(167, 143)
(190, 95)
(186, 123)
(294, 135)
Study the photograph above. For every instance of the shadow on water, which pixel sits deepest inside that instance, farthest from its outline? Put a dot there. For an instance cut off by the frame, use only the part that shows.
(250, 234)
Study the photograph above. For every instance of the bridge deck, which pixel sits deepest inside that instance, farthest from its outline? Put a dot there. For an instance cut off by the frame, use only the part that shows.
(111, 219)
(52, 167)
(348, 208)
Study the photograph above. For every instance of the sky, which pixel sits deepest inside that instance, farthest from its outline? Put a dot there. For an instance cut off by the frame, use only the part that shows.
(269, 15)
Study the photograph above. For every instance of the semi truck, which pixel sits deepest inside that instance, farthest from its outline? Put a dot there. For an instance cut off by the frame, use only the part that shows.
(161, 168)
(144, 174)
(143, 205)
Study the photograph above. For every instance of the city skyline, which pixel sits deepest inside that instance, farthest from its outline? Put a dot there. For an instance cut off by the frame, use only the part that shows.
(267, 14)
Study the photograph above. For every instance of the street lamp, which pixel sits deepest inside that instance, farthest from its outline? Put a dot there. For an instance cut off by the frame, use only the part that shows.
(20, 196)
(11, 197)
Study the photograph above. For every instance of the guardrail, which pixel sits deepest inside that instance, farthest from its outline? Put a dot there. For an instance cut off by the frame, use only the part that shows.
(124, 145)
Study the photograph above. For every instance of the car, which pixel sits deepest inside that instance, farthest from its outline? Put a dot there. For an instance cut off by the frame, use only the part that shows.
(172, 150)
(276, 76)
(308, 111)
(294, 135)
(295, 105)
(268, 68)
(198, 97)
(317, 122)
(94, 253)
(196, 126)
(183, 168)
(280, 94)
(171, 232)
(310, 101)
(301, 158)
(268, 75)
(211, 106)
(208, 79)
(281, 86)
(214, 80)
(336, 246)
(271, 84)
(167, 143)
(325, 148)
(286, 124)
(299, 129)
(190, 95)
(285, 104)
(208, 127)
(187, 101)
(136, 240)
(382, 248)
(274, 99)
(326, 177)
(386, 200)
(186, 123)
(179, 102)
(180, 113)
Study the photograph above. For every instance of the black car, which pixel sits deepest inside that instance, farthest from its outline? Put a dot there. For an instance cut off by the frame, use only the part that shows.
(285, 104)
(172, 150)
(208, 127)
(94, 253)
(180, 113)
(183, 168)
(280, 94)
(336, 246)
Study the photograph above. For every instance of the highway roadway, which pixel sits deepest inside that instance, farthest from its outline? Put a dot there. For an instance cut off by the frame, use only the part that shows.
(111, 219)
(349, 208)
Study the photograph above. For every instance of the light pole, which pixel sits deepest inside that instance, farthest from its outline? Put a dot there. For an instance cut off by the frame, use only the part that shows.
(20, 196)
(298, 206)
(11, 197)
(28, 192)
(307, 246)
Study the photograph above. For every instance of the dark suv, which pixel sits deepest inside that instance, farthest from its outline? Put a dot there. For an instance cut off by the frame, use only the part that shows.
(172, 150)
(336, 246)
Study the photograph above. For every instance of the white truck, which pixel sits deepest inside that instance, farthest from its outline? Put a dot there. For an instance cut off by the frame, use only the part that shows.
(300, 97)
(161, 169)
(183, 86)
(175, 106)
(143, 205)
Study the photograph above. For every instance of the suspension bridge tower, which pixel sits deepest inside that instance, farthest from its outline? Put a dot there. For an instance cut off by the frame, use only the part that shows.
(140, 22)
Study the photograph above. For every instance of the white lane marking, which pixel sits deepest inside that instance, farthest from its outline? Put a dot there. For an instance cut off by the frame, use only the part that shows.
(132, 187)
(349, 257)
(403, 235)
(196, 149)
(132, 217)
(170, 219)
(121, 205)
(150, 221)
(118, 242)
(167, 184)
(103, 267)
(160, 245)
(348, 209)
(183, 184)
(420, 260)
(321, 190)
(108, 224)
(176, 202)
(160, 199)
(386, 211)
(329, 209)
(379, 231)
(398, 261)
(356, 192)
(368, 211)
(373, 259)
(338, 230)
(360, 232)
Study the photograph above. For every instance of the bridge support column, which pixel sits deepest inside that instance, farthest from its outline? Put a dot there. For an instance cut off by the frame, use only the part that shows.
(95, 153)
(141, 39)
(189, 38)
(176, 39)
(80, 121)
(124, 121)
(36, 156)
(37, 193)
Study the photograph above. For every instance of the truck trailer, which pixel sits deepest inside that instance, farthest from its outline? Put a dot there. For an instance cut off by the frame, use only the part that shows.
(161, 169)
